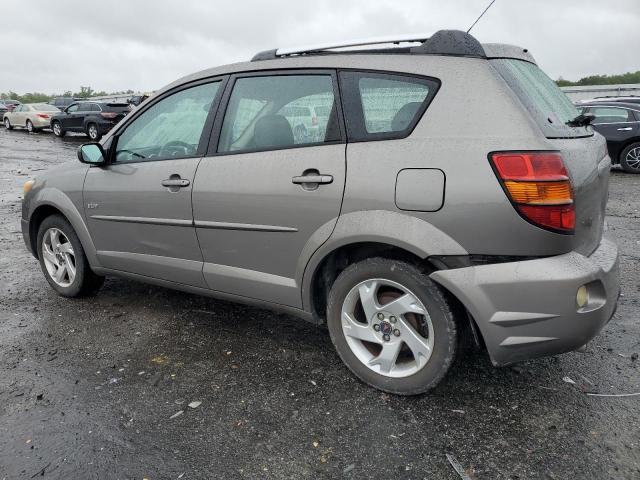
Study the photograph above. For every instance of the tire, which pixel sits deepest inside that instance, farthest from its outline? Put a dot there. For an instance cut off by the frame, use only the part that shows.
(29, 127)
(63, 253)
(412, 331)
(92, 132)
(7, 124)
(58, 131)
(630, 158)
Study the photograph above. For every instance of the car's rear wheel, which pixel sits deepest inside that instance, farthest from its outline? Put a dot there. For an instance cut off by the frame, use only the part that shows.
(630, 158)
(29, 126)
(7, 124)
(63, 260)
(92, 132)
(58, 131)
(392, 326)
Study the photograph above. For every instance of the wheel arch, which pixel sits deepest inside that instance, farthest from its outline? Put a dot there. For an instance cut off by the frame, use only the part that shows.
(53, 202)
(624, 146)
(363, 234)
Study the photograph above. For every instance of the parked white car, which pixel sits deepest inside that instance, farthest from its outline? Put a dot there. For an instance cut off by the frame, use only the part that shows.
(32, 116)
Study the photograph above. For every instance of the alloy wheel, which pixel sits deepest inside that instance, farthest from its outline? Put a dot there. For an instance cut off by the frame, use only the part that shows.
(93, 132)
(56, 129)
(7, 123)
(29, 126)
(387, 328)
(59, 257)
(633, 158)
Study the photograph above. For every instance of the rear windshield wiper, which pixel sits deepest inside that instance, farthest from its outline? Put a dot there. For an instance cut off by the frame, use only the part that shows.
(582, 120)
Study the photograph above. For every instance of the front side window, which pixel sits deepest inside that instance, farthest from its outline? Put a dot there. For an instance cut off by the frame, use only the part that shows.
(384, 106)
(610, 115)
(171, 128)
(271, 112)
(72, 108)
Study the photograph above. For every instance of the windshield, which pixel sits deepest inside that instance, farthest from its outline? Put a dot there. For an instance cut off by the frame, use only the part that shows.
(548, 105)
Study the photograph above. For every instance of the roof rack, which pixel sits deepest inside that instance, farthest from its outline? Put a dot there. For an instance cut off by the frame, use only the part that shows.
(443, 42)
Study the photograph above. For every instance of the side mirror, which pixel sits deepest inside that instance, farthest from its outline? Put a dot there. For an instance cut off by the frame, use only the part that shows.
(92, 153)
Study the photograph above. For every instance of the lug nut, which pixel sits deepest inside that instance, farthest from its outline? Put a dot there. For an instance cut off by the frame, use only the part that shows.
(381, 316)
(386, 337)
(393, 319)
(376, 327)
(396, 332)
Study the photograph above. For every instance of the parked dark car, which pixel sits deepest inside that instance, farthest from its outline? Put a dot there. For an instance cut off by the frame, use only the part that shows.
(619, 123)
(138, 99)
(631, 99)
(93, 118)
(62, 102)
(10, 104)
(3, 108)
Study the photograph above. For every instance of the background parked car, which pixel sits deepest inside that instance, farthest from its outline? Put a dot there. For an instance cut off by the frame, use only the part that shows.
(32, 116)
(3, 109)
(93, 118)
(62, 102)
(619, 123)
(138, 99)
(631, 99)
(10, 103)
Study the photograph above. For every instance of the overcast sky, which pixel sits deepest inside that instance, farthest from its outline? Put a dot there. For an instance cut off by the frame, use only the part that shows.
(53, 46)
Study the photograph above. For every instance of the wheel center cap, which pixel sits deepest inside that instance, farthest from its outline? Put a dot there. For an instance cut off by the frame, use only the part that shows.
(386, 328)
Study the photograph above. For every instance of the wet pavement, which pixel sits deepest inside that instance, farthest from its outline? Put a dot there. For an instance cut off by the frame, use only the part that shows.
(92, 388)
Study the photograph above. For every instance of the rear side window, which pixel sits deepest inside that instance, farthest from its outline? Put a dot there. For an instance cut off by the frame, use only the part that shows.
(611, 115)
(272, 112)
(381, 106)
(548, 105)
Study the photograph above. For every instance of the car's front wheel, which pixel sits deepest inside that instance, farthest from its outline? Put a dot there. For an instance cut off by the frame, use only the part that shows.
(7, 124)
(63, 260)
(92, 132)
(29, 126)
(392, 326)
(630, 158)
(58, 131)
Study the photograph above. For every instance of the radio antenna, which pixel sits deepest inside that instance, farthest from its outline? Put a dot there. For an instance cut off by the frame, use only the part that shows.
(481, 15)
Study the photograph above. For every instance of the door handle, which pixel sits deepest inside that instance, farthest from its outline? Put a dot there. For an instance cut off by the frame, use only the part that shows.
(319, 179)
(175, 182)
(625, 129)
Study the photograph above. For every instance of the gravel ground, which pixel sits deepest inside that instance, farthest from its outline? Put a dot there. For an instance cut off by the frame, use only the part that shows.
(91, 388)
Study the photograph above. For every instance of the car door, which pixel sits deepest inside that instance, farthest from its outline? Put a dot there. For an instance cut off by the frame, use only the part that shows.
(138, 207)
(67, 119)
(263, 196)
(616, 124)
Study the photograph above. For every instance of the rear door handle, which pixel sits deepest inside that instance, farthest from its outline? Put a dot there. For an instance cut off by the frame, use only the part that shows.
(625, 129)
(319, 179)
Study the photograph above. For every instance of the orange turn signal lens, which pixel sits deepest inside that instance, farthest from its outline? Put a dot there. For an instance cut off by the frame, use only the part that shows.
(540, 193)
(28, 185)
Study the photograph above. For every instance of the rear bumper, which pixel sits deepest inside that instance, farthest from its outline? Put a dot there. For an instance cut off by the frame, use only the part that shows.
(528, 309)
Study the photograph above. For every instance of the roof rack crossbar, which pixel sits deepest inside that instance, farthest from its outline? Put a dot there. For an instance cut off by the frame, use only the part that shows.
(362, 42)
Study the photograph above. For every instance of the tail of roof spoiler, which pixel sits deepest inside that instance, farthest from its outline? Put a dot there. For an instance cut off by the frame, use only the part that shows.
(503, 50)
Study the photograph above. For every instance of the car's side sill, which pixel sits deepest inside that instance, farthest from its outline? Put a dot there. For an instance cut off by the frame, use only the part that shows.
(307, 316)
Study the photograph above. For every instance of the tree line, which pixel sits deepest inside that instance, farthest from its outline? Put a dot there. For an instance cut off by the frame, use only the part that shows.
(629, 77)
(38, 97)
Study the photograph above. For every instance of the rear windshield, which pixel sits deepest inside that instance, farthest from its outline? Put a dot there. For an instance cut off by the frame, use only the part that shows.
(115, 107)
(44, 107)
(548, 105)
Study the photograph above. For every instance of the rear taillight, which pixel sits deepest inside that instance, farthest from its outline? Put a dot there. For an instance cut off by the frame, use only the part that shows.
(42, 115)
(109, 115)
(538, 185)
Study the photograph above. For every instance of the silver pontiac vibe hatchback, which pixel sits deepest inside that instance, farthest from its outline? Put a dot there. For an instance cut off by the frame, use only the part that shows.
(408, 197)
